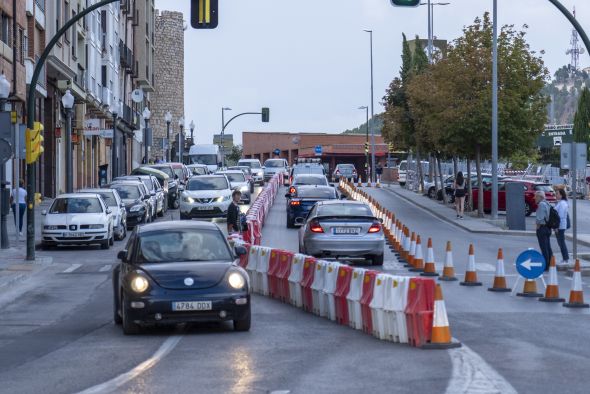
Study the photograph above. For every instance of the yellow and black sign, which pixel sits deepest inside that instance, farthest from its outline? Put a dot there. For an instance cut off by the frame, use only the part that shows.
(204, 14)
(34, 142)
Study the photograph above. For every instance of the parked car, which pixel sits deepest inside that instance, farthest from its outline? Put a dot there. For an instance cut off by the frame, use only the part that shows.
(276, 166)
(115, 204)
(151, 199)
(344, 170)
(173, 184)
(198, 169)
(403, 170)
(78, 219)
(180, 273)
(153, 186)
(342, 229)
(169, 185)
(237, 181)
(205, 196)
(247, 173)
(301, 199)
(135, 201)
(529, 195)
(256, 167)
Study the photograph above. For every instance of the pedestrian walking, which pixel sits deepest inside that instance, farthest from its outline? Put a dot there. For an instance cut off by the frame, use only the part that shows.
(460, 192)
(379, 171)
(233, 213)
(543, 229)
(562, 209)
(22, 204)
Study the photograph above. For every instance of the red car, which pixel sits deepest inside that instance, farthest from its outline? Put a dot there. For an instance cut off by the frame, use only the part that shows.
(529, 195)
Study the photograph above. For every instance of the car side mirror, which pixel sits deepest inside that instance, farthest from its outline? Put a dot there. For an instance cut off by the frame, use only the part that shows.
(240, 250)
(299, 221)
(122, 255)
(381, 220)
(44, 212)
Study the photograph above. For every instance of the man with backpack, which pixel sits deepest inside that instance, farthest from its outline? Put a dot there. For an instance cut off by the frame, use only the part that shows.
(547, 219)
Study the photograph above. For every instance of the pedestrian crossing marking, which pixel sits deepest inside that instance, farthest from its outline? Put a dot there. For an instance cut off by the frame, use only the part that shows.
(105, 268)
(71, 268)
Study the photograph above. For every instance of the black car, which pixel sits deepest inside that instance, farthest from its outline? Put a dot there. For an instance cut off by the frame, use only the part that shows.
(174, 186)
(180, 272)
(135, 200)
(300, 200)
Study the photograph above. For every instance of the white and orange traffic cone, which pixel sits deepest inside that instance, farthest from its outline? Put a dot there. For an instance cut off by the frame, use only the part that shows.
(552, 289)
(412, 251)
(440, 337)
(418, 262)
(429, 267)
(576, 294)
(529, 289)
(499, 285)
(448, 274)
(471, 273)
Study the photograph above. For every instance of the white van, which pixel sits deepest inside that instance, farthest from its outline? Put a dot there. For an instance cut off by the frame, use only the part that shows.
(207, 154)
(403, 170)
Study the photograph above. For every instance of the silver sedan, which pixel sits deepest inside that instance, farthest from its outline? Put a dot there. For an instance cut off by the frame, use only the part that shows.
(342, 229)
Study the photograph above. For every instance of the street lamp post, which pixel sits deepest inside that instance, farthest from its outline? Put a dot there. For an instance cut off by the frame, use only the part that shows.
(114, 147)
(168, 119)
(366, 109)
(146, 117)
(431, 5)
(192, 127)
(495, 112)
(5, 193)
(222, 132)
(181, 139)
(372, 110)
(68, 102)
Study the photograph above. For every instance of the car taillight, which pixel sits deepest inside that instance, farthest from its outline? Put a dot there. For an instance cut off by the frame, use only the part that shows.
(315, 227)
(295, 202)
(292, 191)
(375, 227)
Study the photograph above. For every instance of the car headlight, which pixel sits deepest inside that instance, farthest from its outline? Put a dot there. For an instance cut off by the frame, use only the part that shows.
(136, 208)
(139, 284)
(244, 189)
(95, 226)
(222, 199)
(236, 280)
(50, 227)
(190, 200)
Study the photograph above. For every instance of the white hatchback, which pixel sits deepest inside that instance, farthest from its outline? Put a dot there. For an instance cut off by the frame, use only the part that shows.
(78, 219)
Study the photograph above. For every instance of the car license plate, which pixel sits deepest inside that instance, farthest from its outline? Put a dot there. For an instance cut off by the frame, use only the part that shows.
(192, 306)
(347, 230)
(205, 208)
(73, 235)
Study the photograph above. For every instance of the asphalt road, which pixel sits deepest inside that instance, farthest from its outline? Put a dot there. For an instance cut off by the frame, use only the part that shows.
(57, 335)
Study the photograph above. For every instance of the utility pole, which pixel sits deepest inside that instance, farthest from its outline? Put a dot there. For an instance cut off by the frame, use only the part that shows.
(372, 110)
(114, 147)
(68, 103)
(495, 112)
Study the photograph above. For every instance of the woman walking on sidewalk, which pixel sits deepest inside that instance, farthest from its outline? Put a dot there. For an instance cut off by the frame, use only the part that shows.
(562, 209)
(460, 193)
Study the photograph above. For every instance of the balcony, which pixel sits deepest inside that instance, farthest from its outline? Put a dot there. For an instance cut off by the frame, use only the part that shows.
(107, 97)
(127, 59)
(131, 117)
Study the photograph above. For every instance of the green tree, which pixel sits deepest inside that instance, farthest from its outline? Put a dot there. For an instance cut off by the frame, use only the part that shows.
(235, 155)
(582, 118)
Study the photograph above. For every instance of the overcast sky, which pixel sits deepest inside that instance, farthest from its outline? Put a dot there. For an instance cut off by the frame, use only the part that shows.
(308, 60)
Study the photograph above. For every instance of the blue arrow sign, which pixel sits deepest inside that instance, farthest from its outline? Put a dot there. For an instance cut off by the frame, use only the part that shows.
(530, 264)
(277, 152)
(318, 149)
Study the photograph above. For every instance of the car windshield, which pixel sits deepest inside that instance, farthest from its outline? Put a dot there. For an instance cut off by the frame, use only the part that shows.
(344, 209)
(310, 180)
(127, 192)
(210, 160)
(274, 163)
(208, 183)
(543, 188)
(148, 184)
(251, 164)
(308, 170)
(346, 167)
(179, 172)
(109, 198)
(236, 177)
(403, 166)
(319, 193)
(198, 170)
(76, 205)
(183, 245)
(166, 170)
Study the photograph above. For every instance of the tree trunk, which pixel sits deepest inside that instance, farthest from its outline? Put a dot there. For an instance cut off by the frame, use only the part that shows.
(420, 174)
(479, 182)
(440, 178)
(469, 188)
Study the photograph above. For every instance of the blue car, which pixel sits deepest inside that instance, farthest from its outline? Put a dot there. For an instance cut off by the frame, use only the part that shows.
(300, 200)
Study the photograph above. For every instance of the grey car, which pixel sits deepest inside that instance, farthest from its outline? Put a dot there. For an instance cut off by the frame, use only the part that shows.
(344, 170)
(115, 203)
(342, 229)
(149, 198)
(154, 188)
(237, 180)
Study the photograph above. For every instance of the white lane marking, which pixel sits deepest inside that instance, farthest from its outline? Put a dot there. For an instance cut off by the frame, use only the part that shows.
(568, 278)
(71, 268)
(105, 268)
(485, 267)
(471, 374)
(115, 383)
(280, 392)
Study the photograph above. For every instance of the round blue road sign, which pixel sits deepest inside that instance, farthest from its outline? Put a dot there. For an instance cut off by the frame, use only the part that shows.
(277, 152)
(530, 264)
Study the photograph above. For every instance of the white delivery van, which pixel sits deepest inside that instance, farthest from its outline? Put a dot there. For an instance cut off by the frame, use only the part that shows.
(207, 154)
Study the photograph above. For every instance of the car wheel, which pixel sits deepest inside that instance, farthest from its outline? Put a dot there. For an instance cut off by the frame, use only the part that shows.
(129, 327)
(432, 193)
(112, 238)
(290, 222)
(248, 201)
(377, 259)
(243, 324)
(252, 188)
(528, 210)
(106, 244)
(402, 184)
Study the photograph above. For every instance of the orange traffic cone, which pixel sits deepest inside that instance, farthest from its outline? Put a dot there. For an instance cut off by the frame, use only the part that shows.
(418, 257)
(500, 278)
(576, 294)
(441, 331)
(471, 273)
(529, 289)
(448, 274)
(429, 267)
(411, 251)
(552, 289)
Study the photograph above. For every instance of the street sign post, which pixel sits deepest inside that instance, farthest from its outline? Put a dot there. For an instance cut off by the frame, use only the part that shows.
(530, 264)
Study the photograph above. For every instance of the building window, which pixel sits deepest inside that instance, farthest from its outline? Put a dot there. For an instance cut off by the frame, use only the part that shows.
(74, 37)
(23, 44)
(41, 5)
(58, 15)
(5, 33)
(66, 19)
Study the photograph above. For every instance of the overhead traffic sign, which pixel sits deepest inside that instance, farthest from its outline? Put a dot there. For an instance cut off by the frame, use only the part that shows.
(530, 264)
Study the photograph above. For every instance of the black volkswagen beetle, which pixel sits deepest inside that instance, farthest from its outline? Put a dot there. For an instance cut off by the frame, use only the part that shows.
(177, 272)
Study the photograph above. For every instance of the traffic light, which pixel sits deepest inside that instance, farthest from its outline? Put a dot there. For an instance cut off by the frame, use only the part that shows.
(265, 115)
(405, 3)
(204, 14)
(366, 147)
(34, 142)
(390, 147)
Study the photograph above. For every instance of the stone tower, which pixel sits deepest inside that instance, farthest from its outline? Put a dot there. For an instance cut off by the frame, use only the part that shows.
(169, 79)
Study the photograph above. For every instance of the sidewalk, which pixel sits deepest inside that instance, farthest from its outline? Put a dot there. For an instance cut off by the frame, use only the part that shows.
(13, 267)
